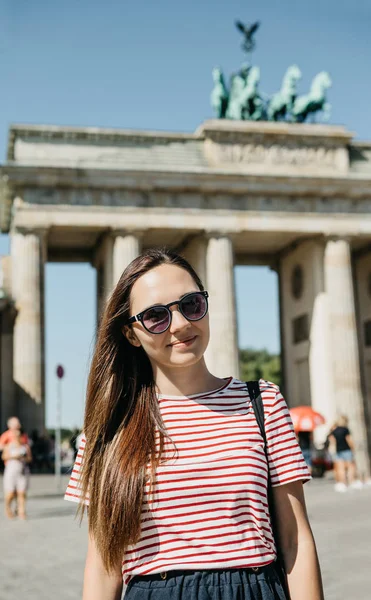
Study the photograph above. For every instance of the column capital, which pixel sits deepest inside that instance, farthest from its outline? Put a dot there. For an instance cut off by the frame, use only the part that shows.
(123, 232)
(41, 232)
(217, 233)
(338, 238)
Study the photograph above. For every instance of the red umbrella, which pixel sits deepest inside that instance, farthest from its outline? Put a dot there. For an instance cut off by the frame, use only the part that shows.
(305, 418)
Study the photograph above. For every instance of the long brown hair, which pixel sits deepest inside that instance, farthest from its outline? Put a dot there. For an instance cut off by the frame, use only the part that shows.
(121, 420)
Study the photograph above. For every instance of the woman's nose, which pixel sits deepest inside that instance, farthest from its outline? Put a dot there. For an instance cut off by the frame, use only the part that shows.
(177, 320)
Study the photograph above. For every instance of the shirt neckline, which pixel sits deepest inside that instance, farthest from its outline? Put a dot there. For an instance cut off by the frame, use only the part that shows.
(228, 381)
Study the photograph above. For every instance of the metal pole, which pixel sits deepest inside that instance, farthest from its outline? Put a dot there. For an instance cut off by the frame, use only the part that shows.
(58, 434)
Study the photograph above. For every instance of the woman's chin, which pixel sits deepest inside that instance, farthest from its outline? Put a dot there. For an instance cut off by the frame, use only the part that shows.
(184, 360)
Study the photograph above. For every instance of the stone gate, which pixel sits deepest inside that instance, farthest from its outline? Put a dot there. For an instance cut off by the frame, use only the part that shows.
(294, 197)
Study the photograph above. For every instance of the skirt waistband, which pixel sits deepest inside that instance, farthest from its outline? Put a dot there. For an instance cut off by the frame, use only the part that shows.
(171, 574)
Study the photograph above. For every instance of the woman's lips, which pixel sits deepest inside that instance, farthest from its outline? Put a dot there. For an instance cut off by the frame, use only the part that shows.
(186, 342)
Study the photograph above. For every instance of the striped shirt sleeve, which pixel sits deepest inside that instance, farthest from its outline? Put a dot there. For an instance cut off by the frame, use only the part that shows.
(73, 492)
(286, 461)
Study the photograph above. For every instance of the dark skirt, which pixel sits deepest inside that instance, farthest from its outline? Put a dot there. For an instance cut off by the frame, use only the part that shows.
(230, 584)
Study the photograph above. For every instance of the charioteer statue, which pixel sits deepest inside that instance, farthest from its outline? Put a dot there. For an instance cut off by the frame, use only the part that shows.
(242, 100)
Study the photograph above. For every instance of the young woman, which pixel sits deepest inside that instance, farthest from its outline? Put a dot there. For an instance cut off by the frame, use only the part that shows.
(345, 466)
(172, 465)
(16, 456)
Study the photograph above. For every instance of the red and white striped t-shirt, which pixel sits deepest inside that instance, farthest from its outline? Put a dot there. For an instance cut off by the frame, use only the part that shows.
(209, 509)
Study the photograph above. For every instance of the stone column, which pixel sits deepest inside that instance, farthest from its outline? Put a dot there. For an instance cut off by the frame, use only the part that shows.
(28, 251)
(7, 317)
(344, 345)
(321, 381)
(8, 405)
(195, 254)
(102, 261)
(107, 263)
(99, 291)
(362, 272)
(222, 354)
(126, 247)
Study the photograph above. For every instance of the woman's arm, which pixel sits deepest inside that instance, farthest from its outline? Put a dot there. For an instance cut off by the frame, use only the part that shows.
(28, 455)
(98, 584)
(297, 543)
(350, 442)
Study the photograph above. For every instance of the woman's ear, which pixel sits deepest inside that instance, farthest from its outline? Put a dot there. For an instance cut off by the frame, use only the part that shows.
(129, 333)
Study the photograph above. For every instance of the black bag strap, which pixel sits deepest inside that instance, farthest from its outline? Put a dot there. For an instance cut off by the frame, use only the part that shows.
(257, 404)
(258, 407)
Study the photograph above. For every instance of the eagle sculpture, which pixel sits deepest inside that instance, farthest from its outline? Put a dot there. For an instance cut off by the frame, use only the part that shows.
(248, 32)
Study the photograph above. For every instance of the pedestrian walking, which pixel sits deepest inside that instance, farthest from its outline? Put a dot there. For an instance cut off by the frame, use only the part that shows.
(173, 463)
(345, 466)
(17, 457)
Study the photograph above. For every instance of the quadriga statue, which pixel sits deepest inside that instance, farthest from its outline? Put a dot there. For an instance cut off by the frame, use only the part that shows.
(219, 94)
(314, 101)
(254, 109)
(282, 102)
(245, 102)
(235, 104)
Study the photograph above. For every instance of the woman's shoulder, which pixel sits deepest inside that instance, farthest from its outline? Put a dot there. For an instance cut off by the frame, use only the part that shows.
(269, 386)
(268, 390)
(263, 384)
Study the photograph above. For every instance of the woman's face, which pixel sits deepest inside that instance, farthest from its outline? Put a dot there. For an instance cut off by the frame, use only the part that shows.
(162, 285)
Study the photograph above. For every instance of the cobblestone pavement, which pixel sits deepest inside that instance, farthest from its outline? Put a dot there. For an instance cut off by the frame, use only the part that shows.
(43, 558)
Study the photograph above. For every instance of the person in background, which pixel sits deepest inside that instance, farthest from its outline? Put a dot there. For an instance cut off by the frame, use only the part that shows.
(345, 467)
(16, 456)
(14, 426)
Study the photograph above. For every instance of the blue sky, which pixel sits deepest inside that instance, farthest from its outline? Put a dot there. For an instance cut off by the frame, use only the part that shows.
(148, 65)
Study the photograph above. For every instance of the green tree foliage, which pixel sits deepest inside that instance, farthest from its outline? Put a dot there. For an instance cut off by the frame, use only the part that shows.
(256, 364)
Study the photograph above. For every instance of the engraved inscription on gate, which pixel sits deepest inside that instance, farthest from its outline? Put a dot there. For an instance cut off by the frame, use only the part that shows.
(276, 155)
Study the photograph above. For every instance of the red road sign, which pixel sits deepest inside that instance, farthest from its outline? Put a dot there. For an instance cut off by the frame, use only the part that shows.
(60, 371)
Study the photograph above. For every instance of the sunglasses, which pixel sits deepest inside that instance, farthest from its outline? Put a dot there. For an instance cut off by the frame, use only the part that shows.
(157, 319)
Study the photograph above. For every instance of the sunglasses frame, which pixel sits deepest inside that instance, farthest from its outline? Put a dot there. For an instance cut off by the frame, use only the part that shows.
(139, 316)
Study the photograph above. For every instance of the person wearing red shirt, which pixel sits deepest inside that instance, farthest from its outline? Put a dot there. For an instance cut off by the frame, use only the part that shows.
(14, 425)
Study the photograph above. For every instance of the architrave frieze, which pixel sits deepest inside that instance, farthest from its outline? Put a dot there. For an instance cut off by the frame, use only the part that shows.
(199, 180)
(298, 203)
(221, 220)
(68, 190)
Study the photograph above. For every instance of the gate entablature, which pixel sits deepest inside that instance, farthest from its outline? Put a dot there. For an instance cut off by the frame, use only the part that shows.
(224, 165)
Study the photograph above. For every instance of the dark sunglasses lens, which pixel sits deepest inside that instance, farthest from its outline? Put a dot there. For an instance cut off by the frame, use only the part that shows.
(194, 306)
(156, 319)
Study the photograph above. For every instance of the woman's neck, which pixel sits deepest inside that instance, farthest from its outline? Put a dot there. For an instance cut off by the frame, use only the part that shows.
(178, 381)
